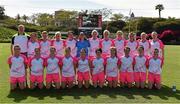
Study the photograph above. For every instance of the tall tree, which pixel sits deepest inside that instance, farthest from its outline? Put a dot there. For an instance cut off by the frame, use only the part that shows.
(44, 19)
(18, 17)
(116, 17)
(25, 18)
(159, 7)
(2, 12)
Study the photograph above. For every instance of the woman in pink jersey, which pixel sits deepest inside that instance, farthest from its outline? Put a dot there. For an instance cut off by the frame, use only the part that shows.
(52, 69)
(119, 43)
(105, 44)
(18, 65)
(156, 43)
(36, 65)
(97, 69)
(68, 69)
(83, 70)
(126, 70)
(71, 42)
(154, 70)
(132, 44)
(112, 67)
(58, 43)
(140, 66)
(32, 44)
(45, 44)
(145, 43)
(94, 44)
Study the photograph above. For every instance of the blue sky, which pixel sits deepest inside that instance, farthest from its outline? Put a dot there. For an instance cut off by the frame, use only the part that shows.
(143, 8)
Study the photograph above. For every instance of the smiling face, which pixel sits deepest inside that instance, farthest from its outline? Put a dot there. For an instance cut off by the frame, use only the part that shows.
(21, 29)
(52, 51)
(94, 34)
(156, 53)
(68, 51)
(119, 35)
(131, 37)
(44, 35)
(83, 53)
(141, 50)
(154, 35)
(58, 36)
(113, 52)
(37, 52)
(33, 36)
(98, 53)
(106, 34)
(70, 35)
(143, 36)
(17, 50)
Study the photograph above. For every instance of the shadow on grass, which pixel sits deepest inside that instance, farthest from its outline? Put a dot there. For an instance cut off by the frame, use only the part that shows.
(164, 93)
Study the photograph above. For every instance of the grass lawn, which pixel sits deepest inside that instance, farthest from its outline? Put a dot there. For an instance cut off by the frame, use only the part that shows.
(170, 76)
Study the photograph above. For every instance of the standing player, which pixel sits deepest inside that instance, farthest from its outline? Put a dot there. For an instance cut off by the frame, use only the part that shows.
(155, 68)
(97, 65)
(132, 44)
(94, 44)
(58, 43)
(36, 65)
(68, 69)
(17, 64)
(45, 44)
(83, 70)
(112, 66)
(82, 43)
(32, 44)
(126, 72)
(106, 44)
(156, 43)
(71, 42)
(119, 43)
(52, 69)
(145, 43)
(140, 66)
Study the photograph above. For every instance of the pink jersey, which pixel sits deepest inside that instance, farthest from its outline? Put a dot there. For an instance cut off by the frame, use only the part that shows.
(59, 45)
(83, 65)
(52, 65)
(140, 64)
(68, 66)
(133, 46)
(146, 46)
(37, 66)
(98, 65)
(155, 65)
(119, 44)
(94, 44)
(31, 47)
(126, 64)
(72, 45)
(45, 48)
(106, 45)
(156, 44)
(112, 66)
(17, 65)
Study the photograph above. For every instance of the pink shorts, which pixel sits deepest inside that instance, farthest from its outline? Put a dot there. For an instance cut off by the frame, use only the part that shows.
(98, 77)
(67, 79)
(52, 77)
(83, 76)
(154, 78)
(110, 79)
(34, 78)
(15, 80)
(126, 77)
(139, 76)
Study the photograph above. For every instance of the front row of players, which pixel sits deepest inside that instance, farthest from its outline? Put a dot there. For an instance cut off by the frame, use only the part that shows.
(61, 72)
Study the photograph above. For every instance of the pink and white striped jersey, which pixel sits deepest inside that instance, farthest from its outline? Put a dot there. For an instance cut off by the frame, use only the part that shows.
(59, 45)
(17, 65)
(133, 46)
(94, 44)
(37, 66)
(119, 44)
(83, 65)
(68, 66)
(156, 44)
(126, 64)
(52, 65)
(140, 63)
(146, 46)
(98, 65)
(31, 47)
(112, 66)
(155, 65)
(45, 48)
(105, 45)
(72, 45)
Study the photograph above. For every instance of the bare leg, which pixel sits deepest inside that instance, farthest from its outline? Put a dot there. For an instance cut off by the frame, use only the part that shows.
(80, 83)
(63, 85)
(22, 86)
(87, 84)
(48, 85)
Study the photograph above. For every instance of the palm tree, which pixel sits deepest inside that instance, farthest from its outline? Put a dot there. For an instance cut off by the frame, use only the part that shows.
(24, 17)
(159, 7)
(18, 17)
